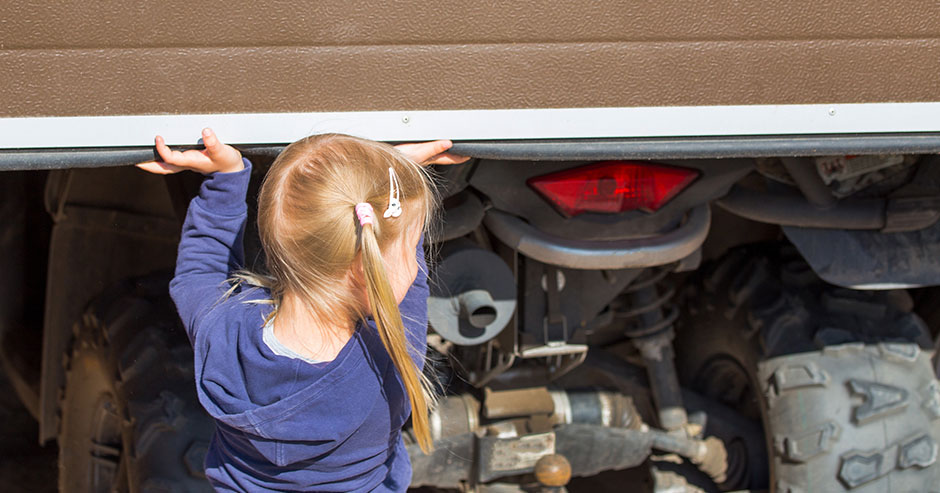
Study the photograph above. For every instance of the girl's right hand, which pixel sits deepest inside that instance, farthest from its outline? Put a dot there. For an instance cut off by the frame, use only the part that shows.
(435, 152)
(216, 157)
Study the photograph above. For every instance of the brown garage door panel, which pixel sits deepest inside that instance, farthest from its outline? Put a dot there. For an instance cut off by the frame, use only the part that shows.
(428, 77)
(73, 57)
(43, 24)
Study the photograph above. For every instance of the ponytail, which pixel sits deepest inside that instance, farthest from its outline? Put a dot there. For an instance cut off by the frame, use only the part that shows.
(392, 332)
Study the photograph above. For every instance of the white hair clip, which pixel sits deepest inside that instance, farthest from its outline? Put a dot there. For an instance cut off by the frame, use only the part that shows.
(394, 202)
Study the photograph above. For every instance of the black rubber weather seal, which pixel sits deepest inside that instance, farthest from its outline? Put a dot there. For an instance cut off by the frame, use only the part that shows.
(548, 150)
(82, 157)
(703, 147)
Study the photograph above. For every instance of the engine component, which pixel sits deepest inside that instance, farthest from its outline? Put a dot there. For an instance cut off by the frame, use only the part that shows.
(803, 171)
(838, 176)
(463, 212)
(561, 407)
(787, 209)
(461, 414)
(871, 259)
(889, 209)
(454, 416)
(594, 430)
(517, 402)
(473, 294)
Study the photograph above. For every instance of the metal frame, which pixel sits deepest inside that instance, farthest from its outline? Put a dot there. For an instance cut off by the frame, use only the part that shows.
(618, 254)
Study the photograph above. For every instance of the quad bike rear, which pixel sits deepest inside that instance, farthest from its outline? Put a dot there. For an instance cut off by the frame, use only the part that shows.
(695, 249)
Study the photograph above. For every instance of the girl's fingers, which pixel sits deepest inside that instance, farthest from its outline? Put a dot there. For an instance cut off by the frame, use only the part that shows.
(425, 152)
(212, 143)
(437, 147)
(162, 149)
(192, 159)
(159, 168)
(448, 158)
(170, 156)
(223, 157)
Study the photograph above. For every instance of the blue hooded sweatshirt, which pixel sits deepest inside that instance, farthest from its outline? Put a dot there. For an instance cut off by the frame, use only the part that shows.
(285, 424)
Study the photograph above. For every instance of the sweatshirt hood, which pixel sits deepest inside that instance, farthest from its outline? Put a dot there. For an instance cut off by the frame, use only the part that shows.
(243, 384)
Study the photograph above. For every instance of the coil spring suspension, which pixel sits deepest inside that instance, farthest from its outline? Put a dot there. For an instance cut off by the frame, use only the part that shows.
(651, 314)
(650, 308)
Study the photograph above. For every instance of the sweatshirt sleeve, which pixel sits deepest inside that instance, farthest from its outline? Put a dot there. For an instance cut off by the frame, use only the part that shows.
(414, 310)
(210, 246)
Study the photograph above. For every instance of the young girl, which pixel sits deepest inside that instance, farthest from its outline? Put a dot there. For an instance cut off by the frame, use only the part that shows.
(311, 376)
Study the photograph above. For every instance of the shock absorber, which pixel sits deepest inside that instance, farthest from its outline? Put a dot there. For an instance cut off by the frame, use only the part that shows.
(651, 316)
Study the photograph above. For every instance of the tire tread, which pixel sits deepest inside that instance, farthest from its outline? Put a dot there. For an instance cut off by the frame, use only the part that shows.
(134, 334)
(846, 381)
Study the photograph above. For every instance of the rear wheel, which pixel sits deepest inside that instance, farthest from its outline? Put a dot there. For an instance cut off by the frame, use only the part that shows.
(130, 419)
(842, 380)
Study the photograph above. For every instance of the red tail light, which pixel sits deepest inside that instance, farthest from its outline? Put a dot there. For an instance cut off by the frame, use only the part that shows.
(612, 187)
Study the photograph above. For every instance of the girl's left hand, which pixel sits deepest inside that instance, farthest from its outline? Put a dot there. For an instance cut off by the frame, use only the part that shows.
(435, 152)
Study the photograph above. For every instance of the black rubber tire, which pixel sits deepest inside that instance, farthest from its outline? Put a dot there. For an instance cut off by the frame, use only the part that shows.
(842, 380)
(130, 419)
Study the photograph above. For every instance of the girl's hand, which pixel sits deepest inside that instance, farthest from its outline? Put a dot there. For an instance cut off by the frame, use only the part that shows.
(426, 153)
(216, 157)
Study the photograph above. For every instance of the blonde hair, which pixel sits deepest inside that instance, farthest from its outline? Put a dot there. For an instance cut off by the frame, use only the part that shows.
(311, 238)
